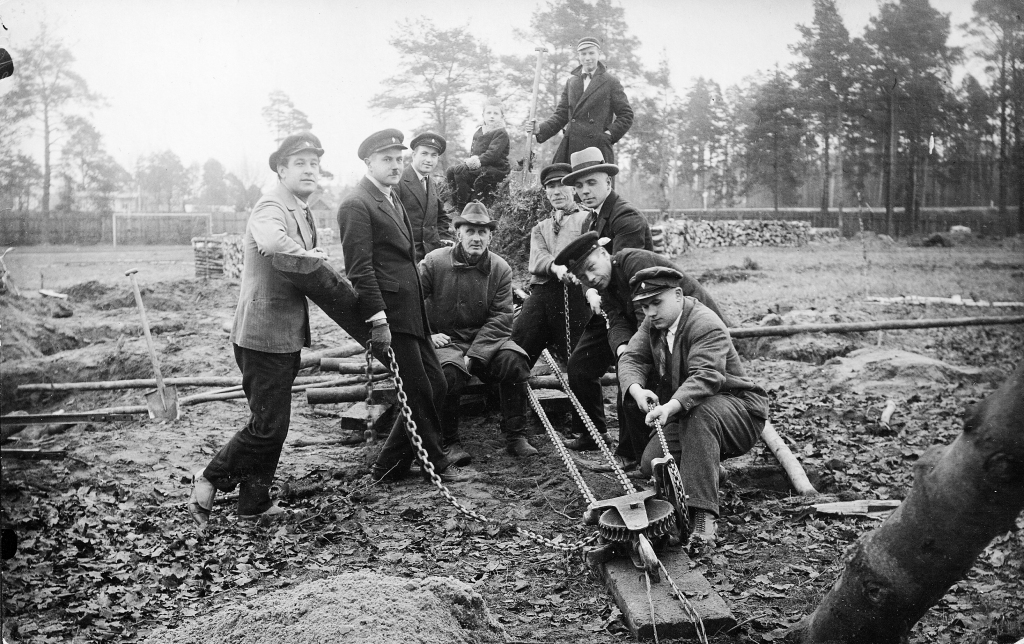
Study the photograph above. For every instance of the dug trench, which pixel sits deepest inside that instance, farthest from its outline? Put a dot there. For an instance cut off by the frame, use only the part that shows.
(107, 552)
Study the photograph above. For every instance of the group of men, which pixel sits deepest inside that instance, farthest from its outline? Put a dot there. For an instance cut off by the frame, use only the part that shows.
(441, 311)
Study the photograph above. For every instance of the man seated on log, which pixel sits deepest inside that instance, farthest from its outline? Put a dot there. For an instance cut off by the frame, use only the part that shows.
(703, 399)
(609, 275)
(468, 295)
(541, 323)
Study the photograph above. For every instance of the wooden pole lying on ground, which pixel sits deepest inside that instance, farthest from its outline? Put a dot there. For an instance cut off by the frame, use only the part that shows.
(789, 462)
(147, 383)
(880, 325)
(349, 366)
(345, 351)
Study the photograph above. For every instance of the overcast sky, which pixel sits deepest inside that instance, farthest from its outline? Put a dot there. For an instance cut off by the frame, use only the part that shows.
(193, 75)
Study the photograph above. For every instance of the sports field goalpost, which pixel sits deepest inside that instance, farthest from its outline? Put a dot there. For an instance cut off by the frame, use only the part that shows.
(208, 216)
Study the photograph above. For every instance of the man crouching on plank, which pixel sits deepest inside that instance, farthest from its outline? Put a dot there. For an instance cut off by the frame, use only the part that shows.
(707, 406)
(271, 327)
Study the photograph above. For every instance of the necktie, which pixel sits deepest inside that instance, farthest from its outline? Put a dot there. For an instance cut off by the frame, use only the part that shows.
(312, 225)
(665, 354)
(424, 185)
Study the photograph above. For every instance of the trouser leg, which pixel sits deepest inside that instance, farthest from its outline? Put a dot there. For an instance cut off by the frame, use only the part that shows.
(509, 369)
(589, 361)
(455, 381)
(486, 180)
(531, 329)
(425, 388)
(721, 427)
(460, 181)
(250, 458)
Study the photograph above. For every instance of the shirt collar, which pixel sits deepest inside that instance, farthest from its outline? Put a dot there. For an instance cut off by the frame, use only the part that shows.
(419, 176)
(380, 186)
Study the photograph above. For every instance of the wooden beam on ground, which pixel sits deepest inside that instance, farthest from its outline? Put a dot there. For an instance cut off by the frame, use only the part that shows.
(70, 419)
(34, 454)
(671, 621)
(789, 462)
(880, 325)
(342, 365)
(149, 383)
(313, 358)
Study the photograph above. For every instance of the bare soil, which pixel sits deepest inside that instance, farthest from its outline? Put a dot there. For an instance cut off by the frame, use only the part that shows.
(108, 553)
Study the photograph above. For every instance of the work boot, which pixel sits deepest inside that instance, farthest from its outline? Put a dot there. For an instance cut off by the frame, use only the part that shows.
(450, 441)
(514, 421)
(272, 512)
(455, 474)
(520, 447)
(200, 502)
(705, 530)
(624, 464)
(585, 442)
(457, 455)
(254, 495)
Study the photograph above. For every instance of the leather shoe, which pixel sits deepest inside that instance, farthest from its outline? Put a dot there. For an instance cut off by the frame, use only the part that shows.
(455, 474)
(457, 455)
(200, 502)
(379, 473)
(520, 447)
(273, 511)
(585, 442)
(624, 464)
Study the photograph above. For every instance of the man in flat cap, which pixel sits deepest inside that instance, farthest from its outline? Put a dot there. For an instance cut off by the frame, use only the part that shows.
(271, 327)
(418, 193)
(543, 320)
(593, 110)
(708, 407)
(468, 291)
(380, 259)
(601, 345)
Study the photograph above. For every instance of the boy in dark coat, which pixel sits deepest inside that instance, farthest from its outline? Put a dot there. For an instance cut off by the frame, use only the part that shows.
(707, 406)
(477, 176)
(468, 293)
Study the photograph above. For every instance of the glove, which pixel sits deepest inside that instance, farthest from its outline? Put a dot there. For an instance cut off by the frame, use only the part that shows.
(380, 337)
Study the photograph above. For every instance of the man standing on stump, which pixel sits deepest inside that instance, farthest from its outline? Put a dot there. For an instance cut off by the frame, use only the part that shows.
(271, 327)
(469, 305)
(380, 259)
(593, 110)
(429, 220)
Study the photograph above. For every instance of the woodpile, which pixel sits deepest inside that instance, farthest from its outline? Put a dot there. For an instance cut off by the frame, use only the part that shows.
(218, 256)
(824, 235)
(678, 234)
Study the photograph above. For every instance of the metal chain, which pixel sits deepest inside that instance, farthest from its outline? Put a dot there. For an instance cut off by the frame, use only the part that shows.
(598, 438)
(688, 608)
(568, 330)
(673, 468)
(560, 448)
(435, 478)
(369, 394)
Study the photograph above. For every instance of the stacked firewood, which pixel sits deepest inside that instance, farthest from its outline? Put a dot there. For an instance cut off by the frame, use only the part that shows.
(218, 256)
(678, 234)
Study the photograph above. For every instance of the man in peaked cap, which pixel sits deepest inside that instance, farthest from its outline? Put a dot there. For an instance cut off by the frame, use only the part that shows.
(541, 323)
(468, 292)
(602, 344)
(592, 111)
(707, 406)
(418, 193)
(271, 326)
(380, 259)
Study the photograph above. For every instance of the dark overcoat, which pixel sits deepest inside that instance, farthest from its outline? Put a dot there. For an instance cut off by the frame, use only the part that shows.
(426, 215)
(380, 258)
(622, 223)
(597, 118)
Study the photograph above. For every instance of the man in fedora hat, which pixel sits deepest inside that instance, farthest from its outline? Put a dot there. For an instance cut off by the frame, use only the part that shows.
(541, 323)
(707, 406)
(418, 193)
(380, 259)
(468, 292)
(601, 344)
(271, 326)
(593, 110)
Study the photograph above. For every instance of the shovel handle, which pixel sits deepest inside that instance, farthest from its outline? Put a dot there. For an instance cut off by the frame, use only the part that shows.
(149, 338)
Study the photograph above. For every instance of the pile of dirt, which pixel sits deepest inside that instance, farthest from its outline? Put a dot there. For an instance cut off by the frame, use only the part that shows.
(358, 608)
(27, 333)
(88, 291)
(884, 371)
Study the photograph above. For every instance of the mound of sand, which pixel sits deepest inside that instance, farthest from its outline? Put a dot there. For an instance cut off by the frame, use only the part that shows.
(884, 370)
(357, 608)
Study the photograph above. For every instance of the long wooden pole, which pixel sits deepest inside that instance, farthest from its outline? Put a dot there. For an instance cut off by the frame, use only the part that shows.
(149, 383)
(880, 325)
(533, 111)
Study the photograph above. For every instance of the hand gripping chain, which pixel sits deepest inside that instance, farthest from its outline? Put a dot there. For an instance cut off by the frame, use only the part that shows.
(675, 478)
(435, 478)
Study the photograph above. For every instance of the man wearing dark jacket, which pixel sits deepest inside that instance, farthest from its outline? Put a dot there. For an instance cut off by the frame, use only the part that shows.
(707, 406)
(380, 259)
(419, 194)
(593, 110)
(469, 304)
(599, 347)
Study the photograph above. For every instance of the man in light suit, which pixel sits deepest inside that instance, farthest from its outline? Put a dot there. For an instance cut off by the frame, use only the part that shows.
(380, 259)
(429, 220)
(271, 327)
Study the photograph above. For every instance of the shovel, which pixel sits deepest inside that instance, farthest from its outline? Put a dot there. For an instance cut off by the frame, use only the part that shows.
(527, 178)
(163, 401)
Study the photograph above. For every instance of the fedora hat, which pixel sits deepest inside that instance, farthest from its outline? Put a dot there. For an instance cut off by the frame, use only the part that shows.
(474, 214)
(587, 161)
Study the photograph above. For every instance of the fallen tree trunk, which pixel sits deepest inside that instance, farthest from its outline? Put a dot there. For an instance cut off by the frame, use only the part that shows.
(964, 495)
(795, 471)
(313, 358)
(350, 366)
(149, 383)
(880, 325)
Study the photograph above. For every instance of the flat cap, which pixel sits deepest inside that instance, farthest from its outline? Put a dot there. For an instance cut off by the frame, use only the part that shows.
(390, 138)
(572, 256)
(650, 281)
(475, 214)
(588, 41)
(295, 143)
(554, 172)
(429, 139)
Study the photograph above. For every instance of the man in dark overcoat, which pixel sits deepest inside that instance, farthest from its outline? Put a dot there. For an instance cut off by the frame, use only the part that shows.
(468, 290)
(602, 345)
(380, 259)
(705, 402)
(593, 110)
(418, 193)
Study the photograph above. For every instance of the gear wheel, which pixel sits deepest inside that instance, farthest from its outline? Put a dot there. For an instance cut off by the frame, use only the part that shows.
(661, 521)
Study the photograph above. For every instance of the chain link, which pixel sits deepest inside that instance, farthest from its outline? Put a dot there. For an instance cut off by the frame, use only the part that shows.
(598, 438)
(369, 395)
(688, 608)
(673, 470)
(560, 448)
(435, 478)
(568, 327)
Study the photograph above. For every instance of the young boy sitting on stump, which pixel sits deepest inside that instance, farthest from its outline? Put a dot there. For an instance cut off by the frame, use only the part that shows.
(478, 176)
(707, 406)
